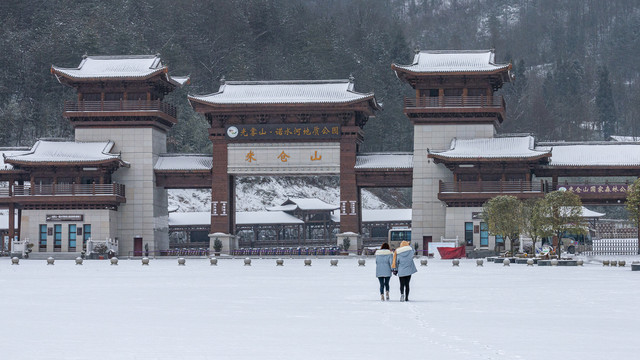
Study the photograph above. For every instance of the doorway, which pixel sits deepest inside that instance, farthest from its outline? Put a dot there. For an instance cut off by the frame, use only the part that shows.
(137, 246)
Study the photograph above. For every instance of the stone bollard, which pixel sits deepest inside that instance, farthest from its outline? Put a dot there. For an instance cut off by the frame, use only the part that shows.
(479, 262)
(50, 260)
(605, 262)
(247, 262)
(622, 263)
(506, 262)
(554, 262)
(213, 261)
(423, 262)
(78, 260)
(361, 262)
(334, 262)
(145, 261)
(580, 262)
(279, 262)
(455, 262)
(530, 262)
(15, 261)
(613, 263)
(182, 261)
(114, 261)
(307, 262)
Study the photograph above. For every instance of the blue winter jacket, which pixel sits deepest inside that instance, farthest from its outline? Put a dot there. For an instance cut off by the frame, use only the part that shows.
(404, 261)
(384, 258)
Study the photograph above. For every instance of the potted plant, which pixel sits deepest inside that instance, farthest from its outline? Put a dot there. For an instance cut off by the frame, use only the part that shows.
(100, 249)
(217, 246)
(346, 244)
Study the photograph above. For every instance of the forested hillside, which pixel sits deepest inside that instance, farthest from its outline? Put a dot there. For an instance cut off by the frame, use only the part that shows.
(575, 61)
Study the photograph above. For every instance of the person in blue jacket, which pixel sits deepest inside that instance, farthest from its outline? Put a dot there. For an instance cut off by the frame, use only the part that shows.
(383, 269)
(404, 267)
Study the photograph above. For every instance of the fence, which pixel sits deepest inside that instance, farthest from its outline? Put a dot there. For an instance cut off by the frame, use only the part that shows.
(614, 247)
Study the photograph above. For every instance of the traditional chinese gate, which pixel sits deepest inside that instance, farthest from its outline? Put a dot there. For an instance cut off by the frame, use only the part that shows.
(284, 128)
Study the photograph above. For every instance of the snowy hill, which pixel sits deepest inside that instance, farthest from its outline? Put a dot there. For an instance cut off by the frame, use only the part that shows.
(258, 193)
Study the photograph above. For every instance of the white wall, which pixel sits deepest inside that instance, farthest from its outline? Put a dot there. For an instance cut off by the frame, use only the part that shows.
(145, 212)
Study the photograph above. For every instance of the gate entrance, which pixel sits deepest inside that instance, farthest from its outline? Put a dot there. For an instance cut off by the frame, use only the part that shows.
(269, 128)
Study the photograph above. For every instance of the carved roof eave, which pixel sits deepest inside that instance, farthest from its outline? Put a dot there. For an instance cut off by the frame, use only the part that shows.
(367, 105)
(107, 163)
(410, 76)
(160, 75)
(531, 160)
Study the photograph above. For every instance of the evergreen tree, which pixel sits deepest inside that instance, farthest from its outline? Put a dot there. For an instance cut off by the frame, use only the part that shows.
(605, 105)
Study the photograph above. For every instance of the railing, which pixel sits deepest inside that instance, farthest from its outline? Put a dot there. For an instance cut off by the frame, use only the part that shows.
(122, 105)
(63, 190)
(455, 101)
(491, 186)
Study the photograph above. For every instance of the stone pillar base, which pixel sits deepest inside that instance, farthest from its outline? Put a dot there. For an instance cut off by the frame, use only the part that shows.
(229, 242)
(355, 242)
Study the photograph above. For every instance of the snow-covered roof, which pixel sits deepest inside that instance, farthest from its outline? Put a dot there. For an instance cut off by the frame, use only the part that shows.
(625, 138)
(516, 147)
(48, 151)
(9, 152)
(384, 161)
(184, 162)
(594, 154)
(303, 204)
(242, 218)
(285, 92)
(118, 67)
(586, 213)
(281, 217)
(452, 61)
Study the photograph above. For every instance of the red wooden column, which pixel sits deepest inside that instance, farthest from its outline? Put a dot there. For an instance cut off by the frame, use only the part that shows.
(12, 225)
(349, 197)
(221, 205)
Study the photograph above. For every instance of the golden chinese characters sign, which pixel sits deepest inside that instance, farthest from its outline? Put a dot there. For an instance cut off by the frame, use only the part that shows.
(284, 158)
(283, 132)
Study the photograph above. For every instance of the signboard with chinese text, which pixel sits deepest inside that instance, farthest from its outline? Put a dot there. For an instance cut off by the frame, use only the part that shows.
(284, 158)
(597, 189)
(65, 217)
(283, 132)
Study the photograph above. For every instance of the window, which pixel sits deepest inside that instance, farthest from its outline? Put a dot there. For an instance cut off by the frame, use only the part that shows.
(113, 96)
(72, 237)
(468, 233)
(87, 233)
(452, 92)
(92, 97)
(57, 237)
(43, 236)
(499, 239)
(430, 93)
(476, 92)
(136, 96)
(484, 234)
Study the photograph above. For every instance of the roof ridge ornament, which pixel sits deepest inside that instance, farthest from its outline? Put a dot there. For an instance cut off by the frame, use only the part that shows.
(416, 49)
(222, 80)
(351, 78)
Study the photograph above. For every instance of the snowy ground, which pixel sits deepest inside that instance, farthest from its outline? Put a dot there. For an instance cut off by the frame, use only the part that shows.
(165, 311)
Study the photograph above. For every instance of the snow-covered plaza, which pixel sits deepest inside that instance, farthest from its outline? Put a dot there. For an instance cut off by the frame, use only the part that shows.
(232, 311)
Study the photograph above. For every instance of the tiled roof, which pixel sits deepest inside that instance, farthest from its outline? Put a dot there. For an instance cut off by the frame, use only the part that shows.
(65, 152)
(384, 161)
(625, 138)
(9, 152)
(303, 204)
(118, 67)
(593, 154)
(280, 217)
(491, 148)
(184, 162)
(242, 218)
(285, 92)
(451, 61)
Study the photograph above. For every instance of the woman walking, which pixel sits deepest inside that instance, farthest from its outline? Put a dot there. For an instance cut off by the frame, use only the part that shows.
(383, 269)
(404, 267)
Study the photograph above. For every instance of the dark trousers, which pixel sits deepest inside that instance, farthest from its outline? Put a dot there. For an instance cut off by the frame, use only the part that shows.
(404, 286)
(384, 283)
